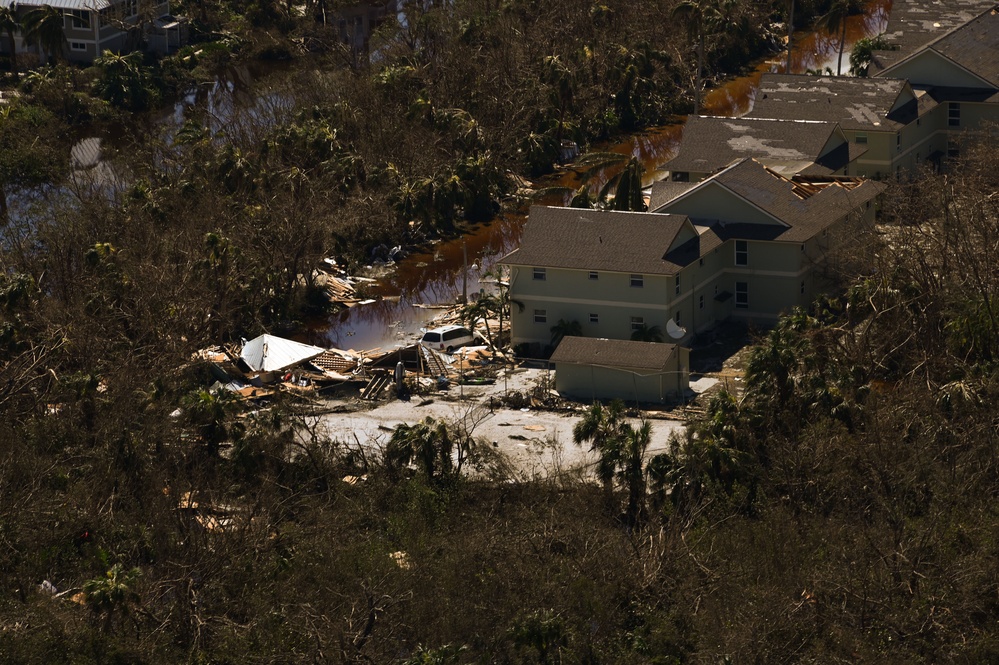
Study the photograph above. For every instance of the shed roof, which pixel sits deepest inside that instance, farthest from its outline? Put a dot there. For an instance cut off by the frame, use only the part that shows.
(583, 239)
(711, 143)
(625, 354)
(269, 353)
(855, 103)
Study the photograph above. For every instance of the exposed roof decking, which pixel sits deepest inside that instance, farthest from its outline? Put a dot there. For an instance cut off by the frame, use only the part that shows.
(855, 103)
(80, 5)
(913, 24)
(711, 143)
(651, 357)
(806, 207)
(973, 46)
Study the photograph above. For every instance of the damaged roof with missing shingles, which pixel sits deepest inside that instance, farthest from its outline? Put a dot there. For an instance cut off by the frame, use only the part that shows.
(711, 143)
(603, 240)
(973, 46)
(855, 103)
(913, 24)
(647, 356)
(805, 207)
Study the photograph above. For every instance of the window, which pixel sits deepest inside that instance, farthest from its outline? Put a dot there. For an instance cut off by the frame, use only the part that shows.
(898, 141)
(953, 149)
(676, 317)
(742, 295)
(860, 138)
(131, 8)
(594, 274)
(79, 19)
(77, 46)
(637, 323)
(802, 287)
(540, 274)
(741, 253)
(594, 318)
(638, 281)
(541, 316)
(700, 302)
(676, 287)
(700, 262)
(953, 114)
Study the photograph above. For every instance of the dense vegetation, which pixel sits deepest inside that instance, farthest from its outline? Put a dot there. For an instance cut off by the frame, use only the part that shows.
(841, 510)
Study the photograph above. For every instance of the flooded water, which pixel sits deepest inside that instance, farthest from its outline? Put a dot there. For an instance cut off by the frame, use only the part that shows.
(438, 276)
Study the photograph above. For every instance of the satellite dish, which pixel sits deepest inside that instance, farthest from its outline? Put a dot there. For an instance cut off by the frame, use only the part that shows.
(675, 331)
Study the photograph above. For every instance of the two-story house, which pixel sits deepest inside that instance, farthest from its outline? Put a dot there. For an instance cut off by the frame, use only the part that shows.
(883, 115)
(745, 243)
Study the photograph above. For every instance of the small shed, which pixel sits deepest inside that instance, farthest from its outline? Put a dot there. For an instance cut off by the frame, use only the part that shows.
(595, 368)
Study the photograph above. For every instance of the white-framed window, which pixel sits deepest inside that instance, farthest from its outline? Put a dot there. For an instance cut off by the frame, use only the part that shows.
(79, 19)
(860, 138)
(700, 302)
(638, 281)
(676, 317)
(594, 275)
(77, 46)
(540, 274)
(541, 316)
(637, 323)
(953, 114)
(594, 318)
(676, 285)
(742, 295)
(898, 141)
(741, 253)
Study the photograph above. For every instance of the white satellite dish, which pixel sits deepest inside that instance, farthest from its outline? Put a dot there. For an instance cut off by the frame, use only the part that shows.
(675, 331)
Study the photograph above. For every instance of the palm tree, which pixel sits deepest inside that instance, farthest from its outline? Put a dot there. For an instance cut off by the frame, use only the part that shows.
(10, 25)
(645, 333)
(834, 21)
(43, 27)
(636, 443)
(564, 329)
(628, 196)
(112, 593)
(431, 444)
(604, 428)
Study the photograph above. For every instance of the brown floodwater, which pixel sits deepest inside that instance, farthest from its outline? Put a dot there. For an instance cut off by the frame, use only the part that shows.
(438, 276)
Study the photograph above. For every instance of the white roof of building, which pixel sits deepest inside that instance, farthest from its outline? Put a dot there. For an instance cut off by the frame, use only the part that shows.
(268, 353)
(91, 5)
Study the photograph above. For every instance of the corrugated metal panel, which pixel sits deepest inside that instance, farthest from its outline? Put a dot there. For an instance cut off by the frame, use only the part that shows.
(268, 353)
(93, 5)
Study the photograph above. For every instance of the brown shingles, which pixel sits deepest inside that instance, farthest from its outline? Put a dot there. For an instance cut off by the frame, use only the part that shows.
(855, 103)
(639, 356)
(629, 242)
(711, 143)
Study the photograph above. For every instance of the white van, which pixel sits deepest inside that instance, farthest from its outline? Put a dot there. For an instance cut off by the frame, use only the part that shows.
(448, 338)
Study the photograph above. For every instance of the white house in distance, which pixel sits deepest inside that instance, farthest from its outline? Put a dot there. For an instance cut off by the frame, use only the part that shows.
(94, 26)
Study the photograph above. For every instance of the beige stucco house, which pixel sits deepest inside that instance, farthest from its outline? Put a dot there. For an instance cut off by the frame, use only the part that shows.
(746, 243)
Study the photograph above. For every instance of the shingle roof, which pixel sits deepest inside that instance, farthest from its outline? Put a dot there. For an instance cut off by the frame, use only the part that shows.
(974, 46)
(913, 24)
(805, 207)
(711, 143)
(855, 103)
(640, 356)
(629, 242)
